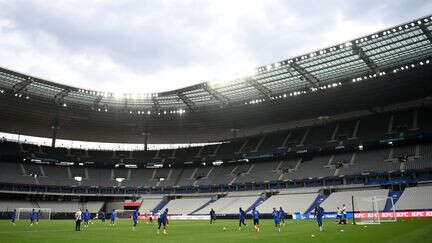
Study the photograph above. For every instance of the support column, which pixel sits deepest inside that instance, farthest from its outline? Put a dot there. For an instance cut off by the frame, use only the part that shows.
(234, 132)
(146, 137)
(55, 128)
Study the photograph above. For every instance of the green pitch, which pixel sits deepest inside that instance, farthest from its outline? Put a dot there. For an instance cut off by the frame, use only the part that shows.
(200, 231)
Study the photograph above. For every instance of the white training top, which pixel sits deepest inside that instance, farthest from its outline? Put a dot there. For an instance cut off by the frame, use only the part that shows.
(78, 215)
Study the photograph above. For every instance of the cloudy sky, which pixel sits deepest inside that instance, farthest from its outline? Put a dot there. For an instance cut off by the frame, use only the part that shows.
(150, 46)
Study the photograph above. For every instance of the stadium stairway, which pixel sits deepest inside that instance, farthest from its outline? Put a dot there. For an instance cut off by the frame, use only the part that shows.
(161, 205)
(256, 203)
(179, 177)
(204, 205)
(320, 198)
(395, 195)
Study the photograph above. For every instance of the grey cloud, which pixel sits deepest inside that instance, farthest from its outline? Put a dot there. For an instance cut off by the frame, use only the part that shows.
(145, 37)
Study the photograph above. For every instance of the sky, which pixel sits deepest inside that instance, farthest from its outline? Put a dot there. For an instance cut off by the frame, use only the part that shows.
(143, 46)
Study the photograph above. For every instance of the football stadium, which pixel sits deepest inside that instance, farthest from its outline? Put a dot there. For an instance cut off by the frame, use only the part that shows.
(331, 145)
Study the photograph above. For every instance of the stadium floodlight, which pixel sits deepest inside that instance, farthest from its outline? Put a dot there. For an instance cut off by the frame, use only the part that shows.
(131, 166)
(119, 179)
(161, 178)
(217, 162)
(78, 178)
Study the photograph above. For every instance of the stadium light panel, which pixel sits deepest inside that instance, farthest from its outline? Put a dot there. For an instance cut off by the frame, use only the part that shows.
(78, 178)
(217, 162)
(119, 179)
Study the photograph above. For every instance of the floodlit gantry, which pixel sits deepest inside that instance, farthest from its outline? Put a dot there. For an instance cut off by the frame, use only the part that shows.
(312, 80)
(426, 32)
(218, 96)
(266, 92)
(369, 62)
(188, 102)
(19, 87)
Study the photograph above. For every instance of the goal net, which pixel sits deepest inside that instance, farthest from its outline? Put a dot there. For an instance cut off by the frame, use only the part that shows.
(124, 214)
(24, 213)
(374, 210)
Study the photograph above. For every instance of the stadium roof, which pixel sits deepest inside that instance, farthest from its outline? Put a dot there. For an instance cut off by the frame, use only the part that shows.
(380, 54)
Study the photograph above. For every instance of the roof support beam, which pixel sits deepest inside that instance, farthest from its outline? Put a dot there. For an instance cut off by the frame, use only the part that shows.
(261, 88)
(19, 87)
(188, 102)
(369, 62)
(60, 96)
(156, 104)
(310, 78)
(218, 96)
(426, 32)
(97, 101)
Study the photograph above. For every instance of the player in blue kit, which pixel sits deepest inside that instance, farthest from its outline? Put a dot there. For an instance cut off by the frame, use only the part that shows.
(38, 216)
(32, 217)
(242, 218)
(276, 218)
(212, 216)
(13, 218)
(113, 217)
(86, 218)
(162, 220)
(103, 216)
(135, 218)
(282, 215)
(319, 213)
(255, 215)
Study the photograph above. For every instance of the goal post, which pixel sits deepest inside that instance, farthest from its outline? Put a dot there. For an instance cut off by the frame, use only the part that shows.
(124, 214)
(24, 213)
(373, 210)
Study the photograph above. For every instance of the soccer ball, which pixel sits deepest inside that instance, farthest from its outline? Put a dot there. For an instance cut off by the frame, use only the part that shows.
(224, 228)
(313, 236)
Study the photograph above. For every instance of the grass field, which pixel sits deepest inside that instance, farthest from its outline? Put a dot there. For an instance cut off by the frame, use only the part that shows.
(419, 231)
